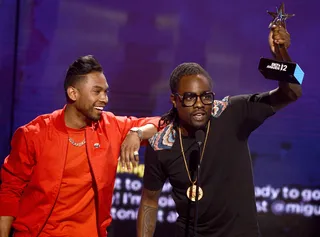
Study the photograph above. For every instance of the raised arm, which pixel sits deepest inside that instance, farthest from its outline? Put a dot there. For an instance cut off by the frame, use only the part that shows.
(286, 92)
(147, 215)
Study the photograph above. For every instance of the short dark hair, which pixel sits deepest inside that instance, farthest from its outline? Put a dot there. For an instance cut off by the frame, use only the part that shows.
(80, 67)
(184, 69)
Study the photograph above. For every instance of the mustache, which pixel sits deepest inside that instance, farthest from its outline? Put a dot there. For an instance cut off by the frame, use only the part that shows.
(199, 111)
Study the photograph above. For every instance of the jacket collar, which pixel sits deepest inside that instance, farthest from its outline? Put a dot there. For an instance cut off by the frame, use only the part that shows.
(59, 123)
(58, 120)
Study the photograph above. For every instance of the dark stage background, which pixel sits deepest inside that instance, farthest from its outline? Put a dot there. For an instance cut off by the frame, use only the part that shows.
(139, 43)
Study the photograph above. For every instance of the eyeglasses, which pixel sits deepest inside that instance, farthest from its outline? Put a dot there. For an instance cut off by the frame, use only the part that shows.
(189, 99)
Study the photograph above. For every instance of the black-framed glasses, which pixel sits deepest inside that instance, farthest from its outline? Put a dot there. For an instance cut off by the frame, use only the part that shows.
(189, 99)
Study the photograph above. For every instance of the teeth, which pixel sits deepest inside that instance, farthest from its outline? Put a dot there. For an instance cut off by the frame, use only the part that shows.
(99, 108)
(198, 116)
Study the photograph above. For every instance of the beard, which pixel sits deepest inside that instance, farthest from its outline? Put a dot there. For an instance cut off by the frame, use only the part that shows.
(95, 118)
(91, 114)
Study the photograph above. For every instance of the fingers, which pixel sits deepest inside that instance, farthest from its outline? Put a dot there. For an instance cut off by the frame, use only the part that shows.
(273, 27)
(135, 159)
(279, 41)
(280, 35)
(123, 157)
(129, 157)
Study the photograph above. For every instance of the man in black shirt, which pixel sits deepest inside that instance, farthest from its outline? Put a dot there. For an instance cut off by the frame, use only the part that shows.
(226, 202)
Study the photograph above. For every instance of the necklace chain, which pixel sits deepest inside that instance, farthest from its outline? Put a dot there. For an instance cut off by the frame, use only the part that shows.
(78, 144)
(184, 156)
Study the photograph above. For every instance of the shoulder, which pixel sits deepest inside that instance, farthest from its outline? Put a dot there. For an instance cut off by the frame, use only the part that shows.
(219, 106)
(109, 118)
(38, 126)
(257, 101)
(40, 122)
(107, 115)
(164, 139)
(247, 98)
(232, 101)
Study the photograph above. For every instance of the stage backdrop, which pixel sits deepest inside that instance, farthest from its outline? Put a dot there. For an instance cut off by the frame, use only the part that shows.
(139, 43)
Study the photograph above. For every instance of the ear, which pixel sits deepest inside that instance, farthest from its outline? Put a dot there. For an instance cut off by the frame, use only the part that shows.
(72, 93)
(173, 100)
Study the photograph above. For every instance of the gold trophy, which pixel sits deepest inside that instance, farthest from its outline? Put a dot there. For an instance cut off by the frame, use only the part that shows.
(282, 68)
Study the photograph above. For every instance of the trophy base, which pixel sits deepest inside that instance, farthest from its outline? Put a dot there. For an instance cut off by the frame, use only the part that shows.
(281, 71)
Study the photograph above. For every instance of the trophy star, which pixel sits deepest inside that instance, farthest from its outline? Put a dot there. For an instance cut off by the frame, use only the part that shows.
(279, 16)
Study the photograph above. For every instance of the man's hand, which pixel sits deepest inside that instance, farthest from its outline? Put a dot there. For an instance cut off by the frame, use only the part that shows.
(278, 35)
(129, 150)
(5, 225)
(131, 145)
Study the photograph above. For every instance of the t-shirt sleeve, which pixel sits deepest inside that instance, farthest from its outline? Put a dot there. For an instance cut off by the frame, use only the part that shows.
(154, 176)
(251, 110)
(126, 123)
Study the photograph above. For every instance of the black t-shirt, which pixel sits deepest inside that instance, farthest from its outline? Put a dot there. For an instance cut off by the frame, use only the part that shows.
(227, 208)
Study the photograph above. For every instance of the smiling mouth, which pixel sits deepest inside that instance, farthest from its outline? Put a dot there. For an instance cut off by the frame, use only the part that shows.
(98, 108)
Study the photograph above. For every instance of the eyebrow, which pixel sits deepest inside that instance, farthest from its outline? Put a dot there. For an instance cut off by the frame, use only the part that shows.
(208, 91)
(101, 88)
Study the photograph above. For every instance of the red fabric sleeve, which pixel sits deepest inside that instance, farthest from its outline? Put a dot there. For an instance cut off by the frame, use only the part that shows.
(15, 173)
(126, 123)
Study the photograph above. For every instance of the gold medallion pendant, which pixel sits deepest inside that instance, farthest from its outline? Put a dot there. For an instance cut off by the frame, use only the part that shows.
(192, 191)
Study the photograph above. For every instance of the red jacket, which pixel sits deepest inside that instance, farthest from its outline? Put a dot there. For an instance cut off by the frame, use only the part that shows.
(31, 175)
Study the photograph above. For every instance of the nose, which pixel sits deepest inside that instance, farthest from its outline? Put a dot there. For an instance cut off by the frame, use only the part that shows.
(104, 98)
(198, 103)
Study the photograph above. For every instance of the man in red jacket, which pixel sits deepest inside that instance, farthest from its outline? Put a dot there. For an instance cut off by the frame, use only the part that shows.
(58, 178)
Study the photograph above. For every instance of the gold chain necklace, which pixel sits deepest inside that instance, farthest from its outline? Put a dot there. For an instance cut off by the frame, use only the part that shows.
(78, 144)
(191, 191)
